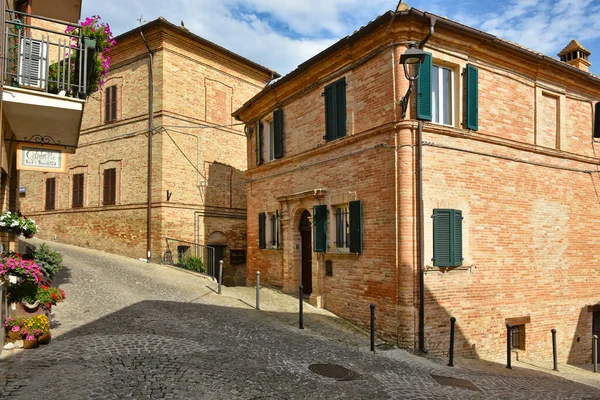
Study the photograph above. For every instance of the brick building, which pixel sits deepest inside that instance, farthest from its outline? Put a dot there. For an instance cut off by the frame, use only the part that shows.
(197, 152)
(509, 184)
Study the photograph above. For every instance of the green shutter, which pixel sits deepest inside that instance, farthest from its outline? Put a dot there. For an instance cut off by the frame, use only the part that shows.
(259, 133)
(355, 208)
(472, 97)
(457, 256)
(330, 117)
(424, 90)
(340, 107)
(447, 238)
(278, 134)
(320, 228)
(262, 221)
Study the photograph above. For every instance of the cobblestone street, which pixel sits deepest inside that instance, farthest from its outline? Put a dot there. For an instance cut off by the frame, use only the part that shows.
(134, 330)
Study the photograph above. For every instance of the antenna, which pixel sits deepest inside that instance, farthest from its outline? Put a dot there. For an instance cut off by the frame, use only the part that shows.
(141, 20)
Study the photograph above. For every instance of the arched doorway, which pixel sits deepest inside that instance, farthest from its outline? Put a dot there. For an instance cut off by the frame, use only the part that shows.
(305, 233)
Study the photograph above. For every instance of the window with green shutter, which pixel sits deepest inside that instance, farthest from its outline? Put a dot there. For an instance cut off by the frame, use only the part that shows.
(356, 228)
(262, 225)
(424, 98)
(447, 238)
(472, 97)
(335, 110)
(320, 228)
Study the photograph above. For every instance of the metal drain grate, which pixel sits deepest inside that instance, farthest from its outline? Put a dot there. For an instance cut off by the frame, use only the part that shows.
(455, 382)
(333, 371)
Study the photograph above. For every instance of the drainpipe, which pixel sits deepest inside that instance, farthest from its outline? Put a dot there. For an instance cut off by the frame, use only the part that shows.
(421, 218)
(150, 133)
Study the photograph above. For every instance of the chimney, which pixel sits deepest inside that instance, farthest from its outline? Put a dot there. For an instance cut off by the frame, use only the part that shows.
(576, 55)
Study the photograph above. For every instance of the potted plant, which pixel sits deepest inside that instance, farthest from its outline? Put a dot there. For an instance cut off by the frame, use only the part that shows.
(50, 261)
(27, 270)
(33, 328)
(14, 328)
(49, 296)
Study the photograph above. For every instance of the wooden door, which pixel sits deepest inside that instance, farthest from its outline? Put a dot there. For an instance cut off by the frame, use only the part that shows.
(306, 235)
(596, 330)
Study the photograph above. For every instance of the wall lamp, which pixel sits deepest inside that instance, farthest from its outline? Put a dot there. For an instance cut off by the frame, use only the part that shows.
(412, 59)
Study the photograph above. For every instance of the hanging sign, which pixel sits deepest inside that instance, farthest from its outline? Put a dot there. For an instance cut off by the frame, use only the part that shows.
(41, 157)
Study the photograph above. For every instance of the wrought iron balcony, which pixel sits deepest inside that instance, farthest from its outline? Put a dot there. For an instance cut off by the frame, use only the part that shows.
(40, 55)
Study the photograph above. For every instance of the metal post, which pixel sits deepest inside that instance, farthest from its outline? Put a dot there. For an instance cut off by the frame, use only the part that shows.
(595, 352)
(508, 345)
(220, 275)
(554, 355)
(451, 352)
(301, 309)
(258, 290)
(372, 327)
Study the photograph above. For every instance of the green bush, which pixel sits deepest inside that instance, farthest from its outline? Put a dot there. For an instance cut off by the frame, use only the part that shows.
(192, 263)
(49, 260)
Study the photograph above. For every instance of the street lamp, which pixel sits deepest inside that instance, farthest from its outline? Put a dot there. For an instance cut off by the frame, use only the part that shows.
(411, 60)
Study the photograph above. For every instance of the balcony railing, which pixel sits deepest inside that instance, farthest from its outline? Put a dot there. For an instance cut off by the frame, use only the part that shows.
(39, 55)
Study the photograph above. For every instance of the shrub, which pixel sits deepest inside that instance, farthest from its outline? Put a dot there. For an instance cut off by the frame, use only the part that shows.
(50, 261)
(192, 263)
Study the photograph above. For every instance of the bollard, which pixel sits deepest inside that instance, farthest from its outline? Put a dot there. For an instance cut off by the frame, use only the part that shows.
(554, 354)
(301, 308)
(220, 275)
(508, 345)
(372, 327)
(595, 352)
(451, 351)
(258, 290)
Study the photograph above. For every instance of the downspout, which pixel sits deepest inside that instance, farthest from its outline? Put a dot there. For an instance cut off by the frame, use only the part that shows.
(150, 133)
(421, 217)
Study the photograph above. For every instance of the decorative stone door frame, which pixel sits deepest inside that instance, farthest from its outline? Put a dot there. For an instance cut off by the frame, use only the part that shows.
(292, 207)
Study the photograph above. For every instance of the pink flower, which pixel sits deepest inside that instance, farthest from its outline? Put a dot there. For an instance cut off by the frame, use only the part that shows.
(30, 337)
(16, 328)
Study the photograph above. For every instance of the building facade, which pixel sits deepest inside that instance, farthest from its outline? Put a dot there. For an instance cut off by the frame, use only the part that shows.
(197, 151)
(509, 186)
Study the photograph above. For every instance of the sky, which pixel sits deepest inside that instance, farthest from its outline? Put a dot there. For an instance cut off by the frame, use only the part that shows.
(281, 34)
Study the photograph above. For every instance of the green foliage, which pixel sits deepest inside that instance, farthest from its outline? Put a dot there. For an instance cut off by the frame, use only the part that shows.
(49, 260)
(24, 291)
(192, 263)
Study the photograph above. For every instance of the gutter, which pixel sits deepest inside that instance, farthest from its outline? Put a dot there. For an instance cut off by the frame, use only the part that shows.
(150, 133)
(420, 212)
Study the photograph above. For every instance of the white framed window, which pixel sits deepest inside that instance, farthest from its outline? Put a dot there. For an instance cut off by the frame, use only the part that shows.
(342, 228)
(442, 95)
(268, 139)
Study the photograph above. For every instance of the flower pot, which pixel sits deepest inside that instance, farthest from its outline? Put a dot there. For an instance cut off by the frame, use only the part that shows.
(14, 335)
(31, 307)
(45, 338)
(13, 279)
(31, 344)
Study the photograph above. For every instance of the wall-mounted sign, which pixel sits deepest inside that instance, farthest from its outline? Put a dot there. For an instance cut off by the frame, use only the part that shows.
(41, 157)
(22, 189)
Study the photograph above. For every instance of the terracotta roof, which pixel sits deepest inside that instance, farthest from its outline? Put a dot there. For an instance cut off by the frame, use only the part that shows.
(573, 45)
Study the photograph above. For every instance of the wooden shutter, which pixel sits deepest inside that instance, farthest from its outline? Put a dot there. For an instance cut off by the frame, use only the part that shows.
(355, 209)
(472, 97)
(110, 185)
(259, 133)
(262, 221)
(77, 190)
(340, 107)
(447, 238)
(320, 228)
(278, 135)
(597, 121)
(113, 104)
(330, 118)
(424, 110)
(277, 229)
(50, 193)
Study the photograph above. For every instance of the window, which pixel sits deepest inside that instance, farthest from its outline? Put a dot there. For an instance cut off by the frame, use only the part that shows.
(50, 193)
(262, 237)
(442, 94)
(77, 191)
(342, 227)
(110, 184)
(447, 238)
(274, 230)
(518, 337)
(110, 105)
(335, 110)
(237, 256)
(269, 139)
(182, 252)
